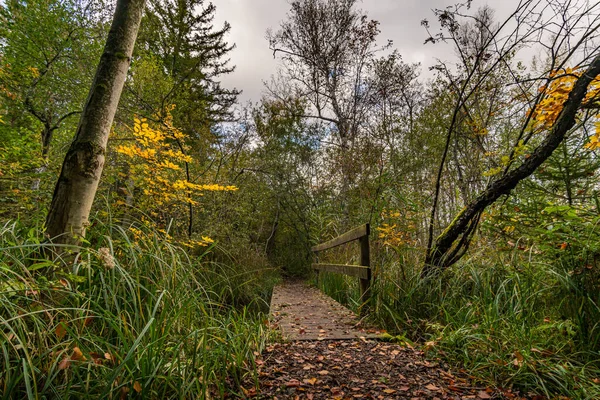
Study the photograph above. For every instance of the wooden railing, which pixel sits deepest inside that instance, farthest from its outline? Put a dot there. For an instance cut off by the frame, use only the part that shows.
(362, 271)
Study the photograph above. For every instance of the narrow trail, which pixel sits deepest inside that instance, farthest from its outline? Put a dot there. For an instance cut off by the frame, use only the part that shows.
(326, 354)
(303, 312)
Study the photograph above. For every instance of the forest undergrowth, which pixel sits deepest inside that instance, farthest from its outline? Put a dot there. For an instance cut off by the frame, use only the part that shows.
(510, 321)
(129, 314)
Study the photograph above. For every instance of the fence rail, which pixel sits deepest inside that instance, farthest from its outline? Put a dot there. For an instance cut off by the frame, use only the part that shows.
(362, 271)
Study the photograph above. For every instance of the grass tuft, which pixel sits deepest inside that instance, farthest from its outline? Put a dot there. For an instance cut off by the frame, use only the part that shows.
(522, 325)
(129, 313)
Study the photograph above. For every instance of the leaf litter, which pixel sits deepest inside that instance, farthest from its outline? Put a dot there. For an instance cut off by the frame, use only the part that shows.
(333, 356)
(359, 369)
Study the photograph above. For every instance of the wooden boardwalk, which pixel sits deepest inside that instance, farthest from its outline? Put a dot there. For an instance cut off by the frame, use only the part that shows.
(303, 312)
(328, 356)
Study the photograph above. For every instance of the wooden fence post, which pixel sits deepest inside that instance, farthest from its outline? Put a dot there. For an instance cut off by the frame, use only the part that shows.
(317, 272)
(365, 260)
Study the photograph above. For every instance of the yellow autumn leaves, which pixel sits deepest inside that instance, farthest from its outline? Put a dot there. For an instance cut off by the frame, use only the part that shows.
(505, 161)
(213, 187)
(545, 114)
(158, 161)
(556, 93)
(397, 229)
(594, 143)
(146, 229)
(152, 146)
(155, 158)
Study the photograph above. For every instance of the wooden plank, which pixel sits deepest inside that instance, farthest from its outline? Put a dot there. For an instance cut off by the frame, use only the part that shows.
(349, 236)
(359, 271)
(305, 313)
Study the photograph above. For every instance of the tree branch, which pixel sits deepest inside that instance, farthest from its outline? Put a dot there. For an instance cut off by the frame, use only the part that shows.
(437, 256)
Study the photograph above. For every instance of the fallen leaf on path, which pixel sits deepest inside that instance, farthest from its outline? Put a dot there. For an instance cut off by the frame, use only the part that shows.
(293, 383)
(518, 361)
(249, 392)
(64, 364)
(77, 355)
(311, 381)
(97, 358)
(429, 345)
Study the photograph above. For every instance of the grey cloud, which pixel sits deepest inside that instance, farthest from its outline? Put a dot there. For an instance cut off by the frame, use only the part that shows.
(400, 21)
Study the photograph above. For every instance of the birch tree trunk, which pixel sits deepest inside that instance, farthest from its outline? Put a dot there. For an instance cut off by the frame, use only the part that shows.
(81, 170)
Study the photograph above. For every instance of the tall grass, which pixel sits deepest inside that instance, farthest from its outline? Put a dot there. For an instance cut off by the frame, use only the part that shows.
(513, 323)
(128, 317)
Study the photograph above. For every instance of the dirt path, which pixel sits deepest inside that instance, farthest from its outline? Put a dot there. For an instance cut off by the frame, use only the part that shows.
(327, 355)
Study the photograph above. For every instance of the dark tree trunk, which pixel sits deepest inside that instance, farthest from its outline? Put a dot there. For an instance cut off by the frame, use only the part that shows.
(47, 134)
(454, 241)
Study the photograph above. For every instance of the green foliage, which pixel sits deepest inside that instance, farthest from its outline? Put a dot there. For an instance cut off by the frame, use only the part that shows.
(47, 48)
(133, 316)
(181, 39)
(19, 159)
(343, 138)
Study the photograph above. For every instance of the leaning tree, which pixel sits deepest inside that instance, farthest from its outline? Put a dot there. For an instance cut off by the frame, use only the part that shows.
(545, 108)
(81, 170)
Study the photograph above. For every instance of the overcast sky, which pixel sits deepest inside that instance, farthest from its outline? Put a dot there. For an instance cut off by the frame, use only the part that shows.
(400, 21)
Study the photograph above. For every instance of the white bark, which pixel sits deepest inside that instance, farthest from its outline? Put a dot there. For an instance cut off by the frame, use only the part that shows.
(76, 187)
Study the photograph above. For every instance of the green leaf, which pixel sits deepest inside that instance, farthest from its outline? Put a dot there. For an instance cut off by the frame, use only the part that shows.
(40, 265)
